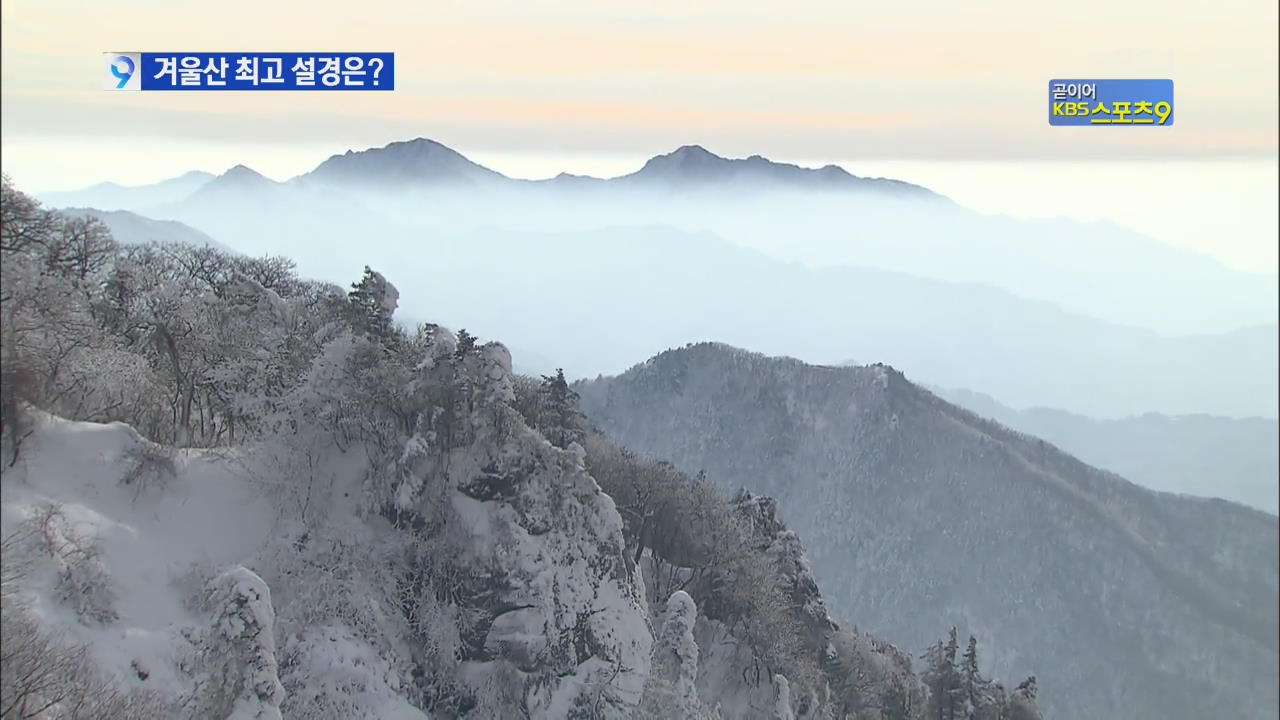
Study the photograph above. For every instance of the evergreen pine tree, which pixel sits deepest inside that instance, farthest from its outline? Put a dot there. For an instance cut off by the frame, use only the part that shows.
(976, 695)
(466, 344)
(953, 688)
(935, 679)
(559, 410)
(463, 389)
(943, 678)
(371, 302)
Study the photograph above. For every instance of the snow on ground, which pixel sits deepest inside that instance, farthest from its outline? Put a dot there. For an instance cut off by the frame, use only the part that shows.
(157, 547)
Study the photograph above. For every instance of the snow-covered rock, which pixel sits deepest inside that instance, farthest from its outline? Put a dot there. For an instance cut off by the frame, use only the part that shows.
(236, 656)
(671, 689)
(549, 599)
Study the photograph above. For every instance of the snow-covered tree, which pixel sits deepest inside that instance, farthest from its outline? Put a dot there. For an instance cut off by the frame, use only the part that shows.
(24, 225)
(979, 703)
(49, 265)
(465, 343)
(671, 689)
(943, 678)
(1022, 702)
(42, 677)
(234, 661)
(782, 699)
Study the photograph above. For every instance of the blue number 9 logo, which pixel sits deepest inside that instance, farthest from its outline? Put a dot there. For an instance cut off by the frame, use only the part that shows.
(122, 67)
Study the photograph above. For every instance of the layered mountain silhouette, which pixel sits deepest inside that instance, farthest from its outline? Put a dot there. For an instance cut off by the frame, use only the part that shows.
(1127, 602)
(133, 229)
(1232, 458)
(113, 196)
(423, 162)
(819, 216)
(695, 246)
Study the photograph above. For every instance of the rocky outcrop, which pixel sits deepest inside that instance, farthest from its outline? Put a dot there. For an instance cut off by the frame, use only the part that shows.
(545, 594)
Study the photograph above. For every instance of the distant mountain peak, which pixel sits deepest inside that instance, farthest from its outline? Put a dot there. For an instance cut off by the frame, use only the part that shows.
(574, 177)
(696, 164)
(240, 177)
(694, 151)
(106, 185)
(192, 175)
(416, 147)
(420, 160)
(688, 161)
(243, 171)
(238, 182)
(421, 141)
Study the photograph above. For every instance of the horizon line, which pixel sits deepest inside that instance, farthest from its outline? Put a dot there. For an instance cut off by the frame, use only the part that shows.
(807, 163)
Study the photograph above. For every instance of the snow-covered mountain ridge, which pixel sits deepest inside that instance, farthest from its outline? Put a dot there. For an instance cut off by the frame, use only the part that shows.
(230, 492)
(912, 507)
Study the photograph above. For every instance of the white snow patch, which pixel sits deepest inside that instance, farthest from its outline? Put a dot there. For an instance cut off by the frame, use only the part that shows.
(205, 517)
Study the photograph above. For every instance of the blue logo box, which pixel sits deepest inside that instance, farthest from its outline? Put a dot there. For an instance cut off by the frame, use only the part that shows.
(255, 71)
(1111, 102)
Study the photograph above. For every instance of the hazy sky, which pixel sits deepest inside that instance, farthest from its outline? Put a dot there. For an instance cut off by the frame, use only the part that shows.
(533, 87)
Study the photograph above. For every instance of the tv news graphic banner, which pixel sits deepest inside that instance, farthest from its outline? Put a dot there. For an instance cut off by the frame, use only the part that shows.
(1139, 103)
(318, 71)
